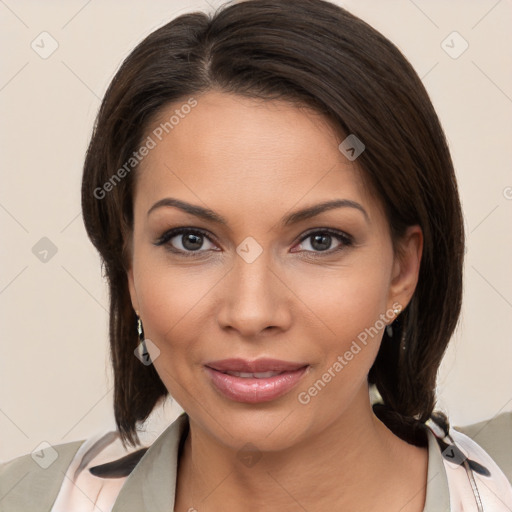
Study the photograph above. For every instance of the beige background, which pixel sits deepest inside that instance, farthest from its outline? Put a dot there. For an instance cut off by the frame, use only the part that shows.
(55, 377)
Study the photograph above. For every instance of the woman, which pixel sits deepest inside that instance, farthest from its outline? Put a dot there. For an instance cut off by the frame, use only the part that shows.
(275, 205)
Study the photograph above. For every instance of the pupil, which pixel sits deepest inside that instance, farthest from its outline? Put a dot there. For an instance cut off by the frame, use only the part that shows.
(324, 241)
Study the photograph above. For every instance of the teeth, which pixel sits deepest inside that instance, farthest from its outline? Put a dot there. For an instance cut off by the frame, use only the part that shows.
(259, 375)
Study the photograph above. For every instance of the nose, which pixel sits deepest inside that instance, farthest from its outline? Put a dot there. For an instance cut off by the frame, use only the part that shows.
(254, 298)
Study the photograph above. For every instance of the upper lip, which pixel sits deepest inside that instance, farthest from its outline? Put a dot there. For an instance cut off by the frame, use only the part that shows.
(255, 366)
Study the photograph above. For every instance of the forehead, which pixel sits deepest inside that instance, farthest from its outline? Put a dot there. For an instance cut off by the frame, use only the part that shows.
(252, 153)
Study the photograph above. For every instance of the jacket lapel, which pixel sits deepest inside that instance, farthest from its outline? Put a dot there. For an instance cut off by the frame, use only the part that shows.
(438, 494)
(151, 486)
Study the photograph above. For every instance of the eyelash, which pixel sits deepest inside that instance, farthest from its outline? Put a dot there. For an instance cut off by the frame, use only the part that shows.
(345, 239)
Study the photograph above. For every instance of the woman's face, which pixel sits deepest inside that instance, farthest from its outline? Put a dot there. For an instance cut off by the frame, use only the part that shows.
(260, 281)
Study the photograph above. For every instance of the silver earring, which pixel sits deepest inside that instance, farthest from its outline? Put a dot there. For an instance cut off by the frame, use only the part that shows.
(140, 331)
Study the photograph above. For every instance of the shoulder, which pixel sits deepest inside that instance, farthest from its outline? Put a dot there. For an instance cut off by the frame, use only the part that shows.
(495, 437)
(35, 477)
(72, 476)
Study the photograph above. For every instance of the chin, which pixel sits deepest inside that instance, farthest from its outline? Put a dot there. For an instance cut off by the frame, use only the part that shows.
(271, 426)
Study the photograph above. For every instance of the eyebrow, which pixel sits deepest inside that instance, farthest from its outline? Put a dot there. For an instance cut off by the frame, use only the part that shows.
(293, 218)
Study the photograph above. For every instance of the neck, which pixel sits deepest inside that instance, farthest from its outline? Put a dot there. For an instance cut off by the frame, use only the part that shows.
(354, 463)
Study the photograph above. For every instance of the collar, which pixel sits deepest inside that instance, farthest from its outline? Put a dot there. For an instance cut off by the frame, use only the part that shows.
(152, 484)
(438, 494)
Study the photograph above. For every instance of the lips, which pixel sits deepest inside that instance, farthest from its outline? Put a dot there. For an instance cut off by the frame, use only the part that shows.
(256, 375)
(257, 366)
(256, 381)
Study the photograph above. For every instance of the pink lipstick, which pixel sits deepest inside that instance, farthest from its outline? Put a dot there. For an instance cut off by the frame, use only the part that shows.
(261, 380)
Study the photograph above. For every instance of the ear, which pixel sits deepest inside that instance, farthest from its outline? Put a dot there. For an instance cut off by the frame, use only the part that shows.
(406, 267)
(131, 287)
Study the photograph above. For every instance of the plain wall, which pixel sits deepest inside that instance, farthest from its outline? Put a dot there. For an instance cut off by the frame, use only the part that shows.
(55, 378)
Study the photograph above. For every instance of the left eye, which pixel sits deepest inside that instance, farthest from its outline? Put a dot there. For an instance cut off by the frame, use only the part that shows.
(322, 240)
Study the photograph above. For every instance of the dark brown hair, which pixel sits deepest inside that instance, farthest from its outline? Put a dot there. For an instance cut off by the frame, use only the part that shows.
(316, 54)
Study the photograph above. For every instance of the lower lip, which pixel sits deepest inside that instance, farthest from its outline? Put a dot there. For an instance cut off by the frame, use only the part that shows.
(252, 390)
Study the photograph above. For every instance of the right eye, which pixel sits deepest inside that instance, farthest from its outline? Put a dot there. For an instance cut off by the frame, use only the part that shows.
(184, 241)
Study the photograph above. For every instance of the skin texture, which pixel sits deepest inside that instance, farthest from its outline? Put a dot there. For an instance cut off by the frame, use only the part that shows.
(254, 162)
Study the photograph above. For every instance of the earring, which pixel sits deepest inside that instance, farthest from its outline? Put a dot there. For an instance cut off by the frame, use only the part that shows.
(389, 328)
(140, 331)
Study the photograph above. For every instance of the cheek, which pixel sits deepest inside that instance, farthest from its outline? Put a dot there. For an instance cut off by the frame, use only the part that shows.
(346, 299)
(167, 299)
(350, 305)
(174, 306)
(345, 355)
(170, 301)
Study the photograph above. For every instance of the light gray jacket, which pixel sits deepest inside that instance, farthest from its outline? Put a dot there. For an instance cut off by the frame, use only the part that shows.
(150, 487)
